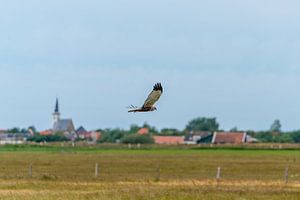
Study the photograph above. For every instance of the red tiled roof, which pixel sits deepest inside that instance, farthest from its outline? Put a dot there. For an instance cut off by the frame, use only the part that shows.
(168, 139)
(229, 137)
(143, 131)
(46, 132)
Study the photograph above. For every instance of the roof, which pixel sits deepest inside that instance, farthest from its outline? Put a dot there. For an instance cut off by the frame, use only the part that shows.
(198, 137)
(64, 125)
(168, 139)
(251, 139)
(143, 131)
(46, 132)
(56, 110)
(200, 134)
(81, 130)
(229, 137)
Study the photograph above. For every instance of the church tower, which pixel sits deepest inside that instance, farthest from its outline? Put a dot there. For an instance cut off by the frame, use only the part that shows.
(56, 114)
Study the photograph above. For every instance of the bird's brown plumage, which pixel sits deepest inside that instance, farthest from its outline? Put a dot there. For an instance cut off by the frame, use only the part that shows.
(151, 100)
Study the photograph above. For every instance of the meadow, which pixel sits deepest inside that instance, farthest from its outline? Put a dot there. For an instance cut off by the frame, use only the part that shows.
(150, 173)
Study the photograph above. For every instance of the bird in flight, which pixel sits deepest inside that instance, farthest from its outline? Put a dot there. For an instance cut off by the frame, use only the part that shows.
(150, 101)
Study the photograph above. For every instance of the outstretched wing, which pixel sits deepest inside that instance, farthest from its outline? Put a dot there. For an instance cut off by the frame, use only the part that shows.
(153, 96)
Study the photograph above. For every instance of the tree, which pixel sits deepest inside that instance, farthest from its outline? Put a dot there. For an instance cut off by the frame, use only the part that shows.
(137, 139)
(48, 138)
(112, 135)
(234, 129)
(203, 124)
(170, 131)
(276, 126)
(152, 129)
(134, 128)
(32, 128)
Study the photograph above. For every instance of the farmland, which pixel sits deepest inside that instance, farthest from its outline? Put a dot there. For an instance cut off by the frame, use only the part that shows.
(69, 173)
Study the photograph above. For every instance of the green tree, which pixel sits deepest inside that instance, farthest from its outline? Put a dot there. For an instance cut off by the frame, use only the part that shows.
(32, 128)
(276, 126)
(14, 130)
(152, 129)
(112, 135)
(234, 129)
(48, 138)
(170, 131)
(137, 139)
(203, 124)
(134, 128)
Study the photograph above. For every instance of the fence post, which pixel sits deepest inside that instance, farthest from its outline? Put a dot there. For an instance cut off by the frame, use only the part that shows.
(30, 171)
(157, 173)
(96, 170)
(286, 175)
(218, 173)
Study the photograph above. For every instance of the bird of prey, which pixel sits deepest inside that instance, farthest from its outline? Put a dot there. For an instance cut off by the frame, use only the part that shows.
(150, 101)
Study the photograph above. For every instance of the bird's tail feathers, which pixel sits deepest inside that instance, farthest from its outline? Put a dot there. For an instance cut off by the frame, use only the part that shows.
(133, 108)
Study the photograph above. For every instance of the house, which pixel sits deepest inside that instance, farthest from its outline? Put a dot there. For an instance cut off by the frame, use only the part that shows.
(13, 138)
(229, 138)
(198, 137)
(82, 133)
(168, 139)
(3, 131)
(46, 132)
(95, 136)
(143, 131)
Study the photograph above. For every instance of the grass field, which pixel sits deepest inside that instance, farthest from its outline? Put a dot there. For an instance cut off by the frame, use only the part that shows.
(69, 173)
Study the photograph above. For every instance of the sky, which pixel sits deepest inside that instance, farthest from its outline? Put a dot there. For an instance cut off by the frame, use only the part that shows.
(235, 60)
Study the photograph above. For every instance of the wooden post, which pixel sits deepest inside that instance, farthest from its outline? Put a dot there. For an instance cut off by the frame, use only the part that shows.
(129, 146)
(286, 175)
(138, 145)
(30, 171)
(157, 173)
(218, 176)
(96, 170)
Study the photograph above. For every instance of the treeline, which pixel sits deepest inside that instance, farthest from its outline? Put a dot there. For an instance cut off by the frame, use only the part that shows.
(276, 137)
(273, 135)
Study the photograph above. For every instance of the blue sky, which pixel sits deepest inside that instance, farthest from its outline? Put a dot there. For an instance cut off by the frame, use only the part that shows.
(234, 60)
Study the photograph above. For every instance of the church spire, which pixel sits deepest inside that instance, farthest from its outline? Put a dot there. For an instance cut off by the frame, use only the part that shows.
(56, 114)
(56, 106)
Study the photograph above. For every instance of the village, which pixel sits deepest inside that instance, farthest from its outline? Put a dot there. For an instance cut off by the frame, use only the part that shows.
(198, 131)
(66, 129)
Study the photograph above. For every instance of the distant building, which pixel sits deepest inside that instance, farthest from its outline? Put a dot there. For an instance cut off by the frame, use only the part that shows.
(95, 136)
(13, 138)
(197, 137)
(3, 131)
(46, 132)
(168, 139)
(229, 138)
(143, 131)
(250, 139)
(64, 126)
(82, 133)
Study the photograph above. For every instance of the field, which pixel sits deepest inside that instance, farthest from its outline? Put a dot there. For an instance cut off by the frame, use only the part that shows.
(69, 173)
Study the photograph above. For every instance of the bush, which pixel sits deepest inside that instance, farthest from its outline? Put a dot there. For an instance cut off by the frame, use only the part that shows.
(137, 139)
(48, 138)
